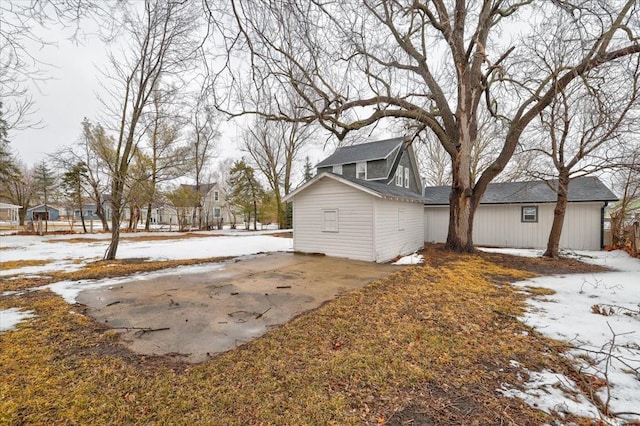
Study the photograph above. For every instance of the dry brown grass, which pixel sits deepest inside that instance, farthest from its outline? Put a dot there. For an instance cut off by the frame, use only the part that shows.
(99, 269)
(430, 344)
(17, 264)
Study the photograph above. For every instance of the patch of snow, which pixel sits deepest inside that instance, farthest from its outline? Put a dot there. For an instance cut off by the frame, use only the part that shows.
(514, 252)
(11, 317)
(552, 393)
(69, 290)
(589, 311)
(412, 259)
(64, 255)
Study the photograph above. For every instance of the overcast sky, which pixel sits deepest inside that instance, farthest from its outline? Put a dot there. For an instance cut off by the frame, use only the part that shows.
(65, 97)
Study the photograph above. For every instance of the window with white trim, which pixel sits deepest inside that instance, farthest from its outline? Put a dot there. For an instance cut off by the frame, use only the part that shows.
(399, 174)
(361, 170)
(337, 169)
(406, 177)
(401, 220)
(330, 220)
(529, 214)
(216, 212)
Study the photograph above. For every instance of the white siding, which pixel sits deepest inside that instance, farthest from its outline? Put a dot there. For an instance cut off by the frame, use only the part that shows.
(354, 238)
(436, 224)
(390, 241)
(501, 225)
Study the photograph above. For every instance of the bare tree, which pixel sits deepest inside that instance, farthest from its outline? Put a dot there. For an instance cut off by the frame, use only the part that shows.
(583, 130)
(20, 191)
(165, 158)
(626, 178)
(437, 63)
(162, 44)
(19, 65)
(274, 146)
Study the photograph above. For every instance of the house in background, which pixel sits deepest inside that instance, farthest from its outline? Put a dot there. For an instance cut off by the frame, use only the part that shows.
(365, 203)
(39, 212)
(520, 214)
(212, 210)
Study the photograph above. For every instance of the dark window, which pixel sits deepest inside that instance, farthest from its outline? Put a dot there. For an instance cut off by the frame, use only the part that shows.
(529, 214)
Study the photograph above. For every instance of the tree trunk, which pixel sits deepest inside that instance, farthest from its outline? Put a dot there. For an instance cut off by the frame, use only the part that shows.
(558, 216)
(147, 223)
(255, 215)
(461, 206)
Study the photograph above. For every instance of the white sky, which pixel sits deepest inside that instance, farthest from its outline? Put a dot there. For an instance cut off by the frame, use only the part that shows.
(69, 93)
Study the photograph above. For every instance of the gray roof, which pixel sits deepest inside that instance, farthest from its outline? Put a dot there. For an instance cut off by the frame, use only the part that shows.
(586, 188)
(383, 189)
(363, 152)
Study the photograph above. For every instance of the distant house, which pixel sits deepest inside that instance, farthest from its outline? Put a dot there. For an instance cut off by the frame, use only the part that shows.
(367, 203)
(520, 214)
(212, 209)
(39, 212)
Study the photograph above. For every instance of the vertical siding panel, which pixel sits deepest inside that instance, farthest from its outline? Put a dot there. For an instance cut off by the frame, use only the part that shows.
(390, 241)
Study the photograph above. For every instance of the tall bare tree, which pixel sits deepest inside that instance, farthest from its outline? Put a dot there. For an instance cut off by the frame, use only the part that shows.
(162, 45)
(274, 147)
(165, 157)
(438, 63)
(583, 132)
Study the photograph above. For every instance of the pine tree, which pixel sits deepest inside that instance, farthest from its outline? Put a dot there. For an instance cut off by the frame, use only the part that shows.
(308, 170)
(45, 182)
(245, 190)
(73, 185)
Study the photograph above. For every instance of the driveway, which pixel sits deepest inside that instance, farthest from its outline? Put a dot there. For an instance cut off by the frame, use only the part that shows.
(193, 316)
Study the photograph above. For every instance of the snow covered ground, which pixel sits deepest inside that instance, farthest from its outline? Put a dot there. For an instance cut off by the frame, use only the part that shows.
(599, 315)
(65, 255)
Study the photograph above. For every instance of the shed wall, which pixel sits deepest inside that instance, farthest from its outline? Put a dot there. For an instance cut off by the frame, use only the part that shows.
(390, 240)
(501, 225)
(354, 238)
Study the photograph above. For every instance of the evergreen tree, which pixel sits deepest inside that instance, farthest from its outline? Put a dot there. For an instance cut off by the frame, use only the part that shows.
(245, 190)
(73, 185)
(45, 182)
(308, 170)
(9, 171)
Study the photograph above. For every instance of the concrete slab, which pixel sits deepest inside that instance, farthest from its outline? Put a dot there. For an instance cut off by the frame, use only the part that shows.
(198, 315)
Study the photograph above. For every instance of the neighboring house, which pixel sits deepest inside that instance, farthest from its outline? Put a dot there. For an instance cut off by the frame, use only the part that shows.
(520, 214)
(9, 213)
(39, 212)
(212, 210)
(365, 203)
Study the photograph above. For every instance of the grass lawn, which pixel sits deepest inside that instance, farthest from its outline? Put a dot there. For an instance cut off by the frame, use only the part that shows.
(430, 344)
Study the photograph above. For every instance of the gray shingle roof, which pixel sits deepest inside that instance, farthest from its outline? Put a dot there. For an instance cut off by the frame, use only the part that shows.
(383, 189)
(363, 152)
(587, 188)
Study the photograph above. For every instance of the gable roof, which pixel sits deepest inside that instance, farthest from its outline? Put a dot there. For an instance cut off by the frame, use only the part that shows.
(369, 151)
(586, 188)
(376, 189)
(204, 187)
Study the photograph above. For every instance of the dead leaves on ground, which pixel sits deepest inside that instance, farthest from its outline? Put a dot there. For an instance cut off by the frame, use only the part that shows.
(428, 343)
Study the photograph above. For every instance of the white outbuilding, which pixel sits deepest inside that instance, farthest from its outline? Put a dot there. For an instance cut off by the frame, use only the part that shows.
(342, 216)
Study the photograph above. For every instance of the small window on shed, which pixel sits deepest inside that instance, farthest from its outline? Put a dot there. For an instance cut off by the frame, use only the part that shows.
(337, 169)
(361, 170)
(401, 220)
(216, 196)
(330, 220)
(529, 214)
(406, 177)
(399, 176)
